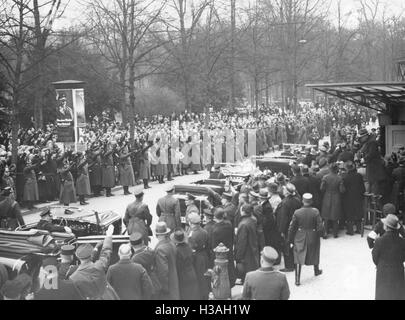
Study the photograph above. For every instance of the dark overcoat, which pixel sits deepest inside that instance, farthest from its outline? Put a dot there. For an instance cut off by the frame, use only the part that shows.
(83, 181)
(223, 232)
(272, 235)
(108, 172)
(247, 244)
(168, 210)
(31, 185)
(353, 197)
(166, 270)
(138, 219)
(96, 172)
(144, 166)
(67, 191)
(332, 188)
(389, 256)
(127, 177)
(188, 282)
(375, 169)
(198, 241)
(305, 231)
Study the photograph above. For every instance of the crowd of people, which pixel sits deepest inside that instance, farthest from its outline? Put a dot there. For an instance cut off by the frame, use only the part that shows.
(47, 171)
(268, 217)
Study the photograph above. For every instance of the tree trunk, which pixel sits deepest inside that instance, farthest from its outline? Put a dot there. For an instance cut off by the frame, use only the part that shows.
(132, 102)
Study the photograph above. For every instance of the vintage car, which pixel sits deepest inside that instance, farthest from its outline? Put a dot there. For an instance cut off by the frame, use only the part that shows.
(276, 164)
(22, 250)
(201, 191)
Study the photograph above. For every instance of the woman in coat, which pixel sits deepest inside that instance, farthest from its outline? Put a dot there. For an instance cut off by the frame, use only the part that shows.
(188, 284)
(353, 198)
(389, 256)
(332, 188)
(67, 191)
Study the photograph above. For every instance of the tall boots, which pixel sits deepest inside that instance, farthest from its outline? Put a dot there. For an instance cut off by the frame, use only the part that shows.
(349, 228)
(317, 271)
(161, 179)
(82, 201)
(126, 191)
(298, 268)
(109, 194)
(146, 184)
(169, 177)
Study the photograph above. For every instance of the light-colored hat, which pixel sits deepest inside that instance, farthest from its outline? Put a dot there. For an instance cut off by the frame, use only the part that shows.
(391, 221)
(84, 251)
(307, 197)
(125, 250)
(138, 191)
(162, 229)
(170, 188)
(194, 218)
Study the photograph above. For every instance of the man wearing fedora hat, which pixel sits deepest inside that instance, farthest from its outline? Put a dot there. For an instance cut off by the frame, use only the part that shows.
(168, 209)
(188, 281)
(266, 283)
(389, 257)
(165, 264)
(246, 243)
(284, 214)
(272, 236)
(258, 215)
(388, 209)
(198, 240)
(223, 232)
(137, 216)
(67, 267)
(299, 181)
(304, 234)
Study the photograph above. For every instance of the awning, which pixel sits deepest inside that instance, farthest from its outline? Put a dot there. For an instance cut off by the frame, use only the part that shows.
(373, 95)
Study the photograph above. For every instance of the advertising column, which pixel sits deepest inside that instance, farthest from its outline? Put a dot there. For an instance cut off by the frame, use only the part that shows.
(70, 114)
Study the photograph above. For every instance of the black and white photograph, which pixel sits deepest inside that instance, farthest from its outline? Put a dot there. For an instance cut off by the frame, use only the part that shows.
(202, 150)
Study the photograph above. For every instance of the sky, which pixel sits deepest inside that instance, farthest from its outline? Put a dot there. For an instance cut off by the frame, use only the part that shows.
(75, 14)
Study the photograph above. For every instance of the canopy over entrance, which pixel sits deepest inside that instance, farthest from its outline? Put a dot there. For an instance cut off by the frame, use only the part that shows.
(379, 96)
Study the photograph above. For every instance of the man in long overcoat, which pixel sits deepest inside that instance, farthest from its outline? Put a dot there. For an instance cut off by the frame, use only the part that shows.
(127, 177)
(108, 173)
(144, 166)
(138, 218)
(353, 198)
(332, 188)
(198, 241)
(305, 231)
(246, 243)
(67, 191)
(168, 209)
(165, 264)
(223, 232)
(188, 282)
(284, 214)
(83, 182)
(389, 257)
(95, 172)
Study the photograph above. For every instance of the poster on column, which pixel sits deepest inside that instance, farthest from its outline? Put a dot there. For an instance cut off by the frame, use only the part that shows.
(65, 116)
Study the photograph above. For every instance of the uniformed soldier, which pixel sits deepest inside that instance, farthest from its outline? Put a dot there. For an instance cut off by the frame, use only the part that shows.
(90, 277)
(83, 181)
(46, 223)
(168, 210)
(127, 177)
(10, 212)
(108, 174)
(304, 234)
(137, 216)
(67, 266)
(266, 283)
(228, 207)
